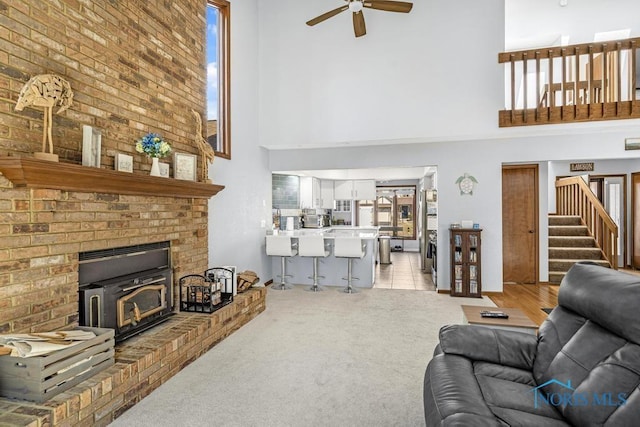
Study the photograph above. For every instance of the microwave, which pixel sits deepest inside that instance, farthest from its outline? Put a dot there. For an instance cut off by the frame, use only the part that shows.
(313, 221)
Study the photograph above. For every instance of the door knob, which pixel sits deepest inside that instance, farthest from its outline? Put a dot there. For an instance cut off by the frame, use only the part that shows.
(532, 231)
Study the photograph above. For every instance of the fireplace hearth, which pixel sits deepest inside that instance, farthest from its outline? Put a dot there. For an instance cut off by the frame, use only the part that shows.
(128, 289)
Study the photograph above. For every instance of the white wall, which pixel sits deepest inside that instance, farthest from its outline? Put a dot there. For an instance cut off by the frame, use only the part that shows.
(412, 76)
(235, 214)
(483, 160)
(536, 23)
(423, 78)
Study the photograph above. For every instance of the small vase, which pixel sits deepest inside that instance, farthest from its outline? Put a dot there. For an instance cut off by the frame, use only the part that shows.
(155, 167)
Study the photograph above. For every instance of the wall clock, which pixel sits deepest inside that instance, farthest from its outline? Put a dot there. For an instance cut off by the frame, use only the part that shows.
(466, 183)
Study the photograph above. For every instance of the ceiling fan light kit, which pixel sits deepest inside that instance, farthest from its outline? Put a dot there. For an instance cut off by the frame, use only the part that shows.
(356, 6)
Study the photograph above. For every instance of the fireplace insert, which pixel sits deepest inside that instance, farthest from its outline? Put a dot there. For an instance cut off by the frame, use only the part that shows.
(128, 289)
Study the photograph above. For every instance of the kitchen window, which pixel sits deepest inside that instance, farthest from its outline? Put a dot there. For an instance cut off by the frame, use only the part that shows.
(218, 74)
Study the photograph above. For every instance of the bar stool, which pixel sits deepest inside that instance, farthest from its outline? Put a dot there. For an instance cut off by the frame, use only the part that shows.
(283, 247)
(313, 246)
(350, 248)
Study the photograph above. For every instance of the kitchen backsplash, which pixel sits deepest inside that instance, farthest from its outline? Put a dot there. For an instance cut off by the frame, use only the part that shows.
(285, 191)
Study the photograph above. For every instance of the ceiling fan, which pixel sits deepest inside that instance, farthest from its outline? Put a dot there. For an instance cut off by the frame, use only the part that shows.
(356, 6)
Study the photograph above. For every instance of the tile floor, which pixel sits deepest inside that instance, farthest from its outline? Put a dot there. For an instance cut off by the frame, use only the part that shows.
(403, 273)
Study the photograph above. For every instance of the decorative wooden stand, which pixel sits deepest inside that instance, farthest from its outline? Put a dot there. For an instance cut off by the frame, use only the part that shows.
(46, 156)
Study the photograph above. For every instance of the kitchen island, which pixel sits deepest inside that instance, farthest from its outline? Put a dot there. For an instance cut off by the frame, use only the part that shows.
(333, 269)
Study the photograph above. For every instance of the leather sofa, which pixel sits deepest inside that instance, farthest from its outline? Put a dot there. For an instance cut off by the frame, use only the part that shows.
(582, 369)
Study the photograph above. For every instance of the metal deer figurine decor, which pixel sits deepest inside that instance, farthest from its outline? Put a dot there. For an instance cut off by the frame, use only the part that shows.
(204, 147)
(47, 91)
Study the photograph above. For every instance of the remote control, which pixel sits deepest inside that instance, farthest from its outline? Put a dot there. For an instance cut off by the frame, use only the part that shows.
(494, 314)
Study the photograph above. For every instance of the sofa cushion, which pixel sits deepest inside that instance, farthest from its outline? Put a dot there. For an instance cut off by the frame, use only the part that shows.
(509, 394)
(459, 391)
(587, 362)
(608, 297)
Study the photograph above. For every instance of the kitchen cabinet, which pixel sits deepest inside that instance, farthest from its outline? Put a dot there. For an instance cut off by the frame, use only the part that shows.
(326, 194)
(359, 189)
(316, 193)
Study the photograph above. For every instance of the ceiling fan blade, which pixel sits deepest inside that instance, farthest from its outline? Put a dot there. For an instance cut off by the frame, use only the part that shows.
(389, 6)
(358, 24)
(327, 15)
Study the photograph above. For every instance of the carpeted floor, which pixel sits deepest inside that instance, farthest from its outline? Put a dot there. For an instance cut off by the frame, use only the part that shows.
(325, 359)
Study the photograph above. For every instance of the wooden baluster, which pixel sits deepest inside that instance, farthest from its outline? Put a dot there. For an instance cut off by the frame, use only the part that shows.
(590, 82)
(605, 78)
(576, 80)
(564, 82)
(552, 96)
(618, 76)
(513, 88)
(537, 86)
(525, 60)
(632, 63)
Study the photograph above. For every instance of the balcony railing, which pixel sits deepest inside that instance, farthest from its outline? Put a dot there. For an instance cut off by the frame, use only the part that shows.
(577, 83)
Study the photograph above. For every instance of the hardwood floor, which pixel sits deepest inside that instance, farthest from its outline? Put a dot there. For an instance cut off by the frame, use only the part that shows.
(531, 299)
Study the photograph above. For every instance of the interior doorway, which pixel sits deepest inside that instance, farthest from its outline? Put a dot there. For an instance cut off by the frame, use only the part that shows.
(520, 224)
(635, 220)
(611, 190)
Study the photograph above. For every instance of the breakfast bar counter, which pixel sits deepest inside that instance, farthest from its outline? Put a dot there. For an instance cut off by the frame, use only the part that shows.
(332, 268)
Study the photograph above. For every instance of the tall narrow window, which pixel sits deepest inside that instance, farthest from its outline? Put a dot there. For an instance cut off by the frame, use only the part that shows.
(218, 74)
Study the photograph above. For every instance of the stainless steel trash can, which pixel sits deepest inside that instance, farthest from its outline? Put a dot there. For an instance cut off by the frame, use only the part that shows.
(384, 249)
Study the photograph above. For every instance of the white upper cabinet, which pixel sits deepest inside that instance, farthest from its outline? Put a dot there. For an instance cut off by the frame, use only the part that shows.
(360, 189)
(343, 190)
(364, 189)
(316, 193)
(306, 192)
(326, 194)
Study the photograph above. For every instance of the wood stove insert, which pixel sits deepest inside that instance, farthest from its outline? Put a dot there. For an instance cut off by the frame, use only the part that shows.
(128, 289)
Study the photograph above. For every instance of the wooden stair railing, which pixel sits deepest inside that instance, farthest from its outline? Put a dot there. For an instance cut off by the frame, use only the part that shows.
(576, 83)
(574, 197)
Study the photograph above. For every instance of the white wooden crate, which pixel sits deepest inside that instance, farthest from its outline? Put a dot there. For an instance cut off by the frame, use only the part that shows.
(40, 378)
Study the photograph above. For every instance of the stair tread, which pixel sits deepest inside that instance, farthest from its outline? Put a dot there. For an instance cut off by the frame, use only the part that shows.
(575, 248)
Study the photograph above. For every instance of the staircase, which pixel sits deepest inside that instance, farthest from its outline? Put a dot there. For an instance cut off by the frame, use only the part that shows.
(570, 242)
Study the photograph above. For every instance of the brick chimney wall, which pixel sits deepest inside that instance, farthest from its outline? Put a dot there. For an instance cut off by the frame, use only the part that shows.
(134, 67)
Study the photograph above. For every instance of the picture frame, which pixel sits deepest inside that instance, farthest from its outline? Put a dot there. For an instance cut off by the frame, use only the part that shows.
(632, 144)
(164, 169)
(184, 166)
(124, 162)
(91, 146)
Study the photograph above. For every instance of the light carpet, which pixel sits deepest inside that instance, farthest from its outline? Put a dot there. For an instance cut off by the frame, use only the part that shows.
(312, 359)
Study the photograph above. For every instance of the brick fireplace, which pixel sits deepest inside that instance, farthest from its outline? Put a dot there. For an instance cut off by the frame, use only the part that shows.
(44, 230)
(134, 67)
(128, 78)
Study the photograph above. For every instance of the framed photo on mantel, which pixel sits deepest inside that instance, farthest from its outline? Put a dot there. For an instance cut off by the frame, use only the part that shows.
(184, 166)
(91, 146)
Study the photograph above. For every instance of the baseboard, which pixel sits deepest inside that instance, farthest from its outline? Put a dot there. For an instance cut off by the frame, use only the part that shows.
(489, 293)
(443, 291)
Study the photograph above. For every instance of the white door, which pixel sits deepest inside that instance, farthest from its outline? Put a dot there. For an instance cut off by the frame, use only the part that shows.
(365, 216)
(614, 205)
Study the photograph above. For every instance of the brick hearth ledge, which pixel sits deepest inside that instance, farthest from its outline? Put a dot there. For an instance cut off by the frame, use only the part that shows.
(142, 364)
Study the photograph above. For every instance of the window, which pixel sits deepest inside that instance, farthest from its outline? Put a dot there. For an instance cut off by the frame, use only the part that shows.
(395, 211)
(218, 73)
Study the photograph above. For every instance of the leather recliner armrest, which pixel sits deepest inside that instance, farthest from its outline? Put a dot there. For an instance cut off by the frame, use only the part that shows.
(510, 348)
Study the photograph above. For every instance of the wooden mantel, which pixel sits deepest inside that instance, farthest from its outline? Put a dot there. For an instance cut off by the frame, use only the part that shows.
(34, 173)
